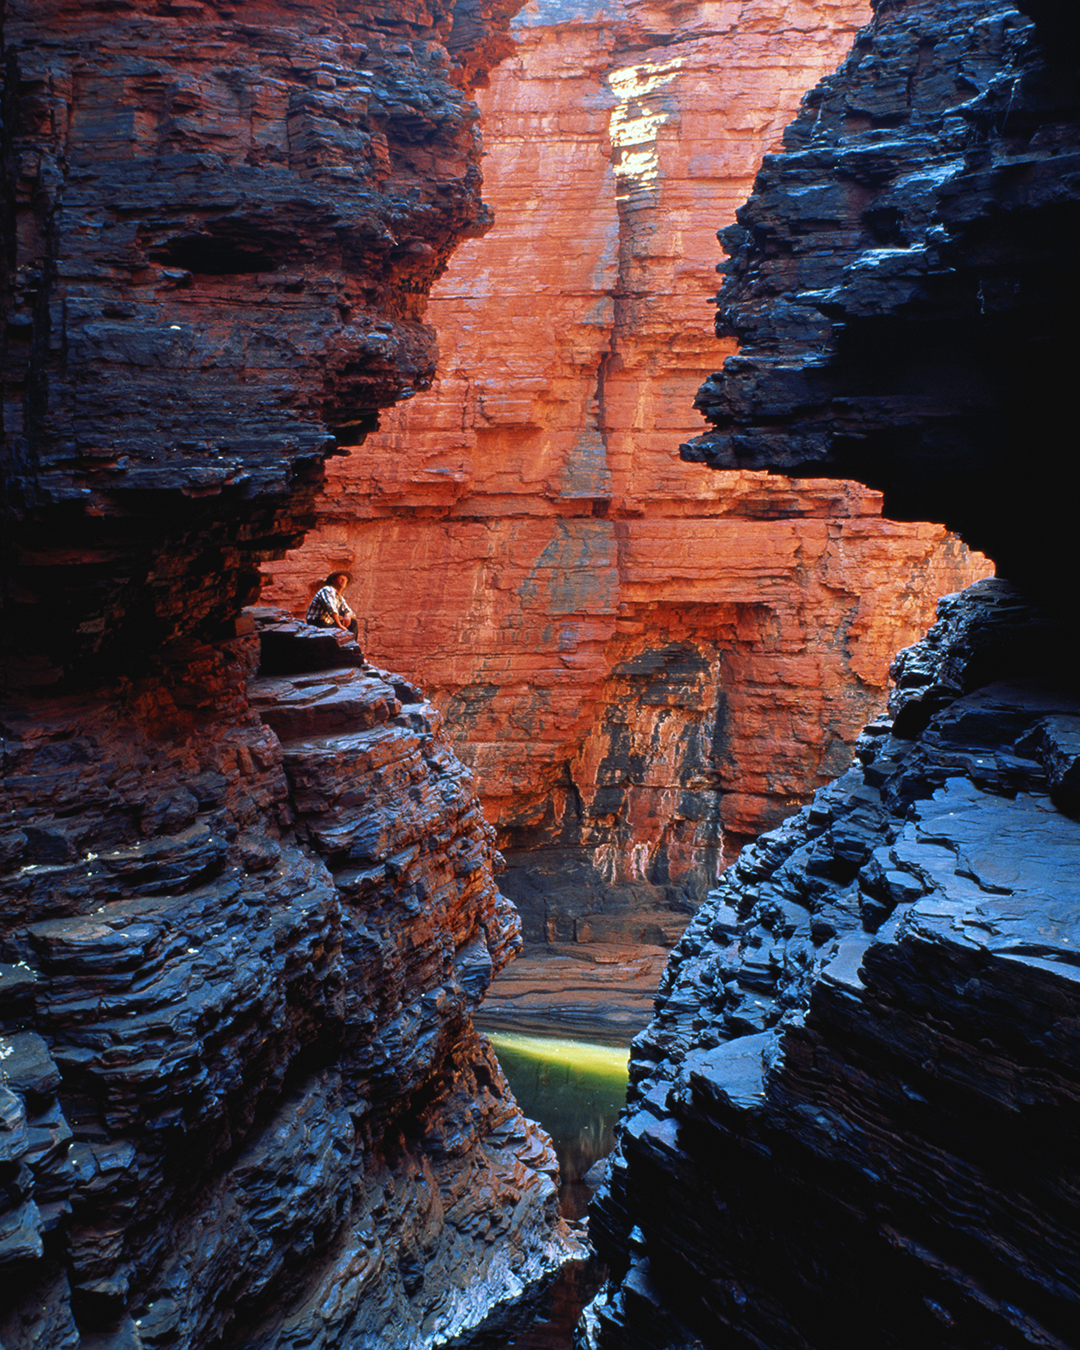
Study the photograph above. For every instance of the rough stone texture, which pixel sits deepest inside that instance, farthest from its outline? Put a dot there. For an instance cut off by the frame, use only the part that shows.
(221, 223)
(854, 1118)
(244, 919)
(638, 659)
(855, 1112)
(904, 279)
(248, 920)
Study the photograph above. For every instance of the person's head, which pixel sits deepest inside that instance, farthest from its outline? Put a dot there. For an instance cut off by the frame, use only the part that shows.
(339, 580)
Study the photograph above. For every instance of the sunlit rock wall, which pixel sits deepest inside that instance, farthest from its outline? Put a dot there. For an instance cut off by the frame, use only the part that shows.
(639, 658)
(246, 893)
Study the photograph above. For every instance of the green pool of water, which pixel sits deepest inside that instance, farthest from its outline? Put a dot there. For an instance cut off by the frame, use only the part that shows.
(575, 1089)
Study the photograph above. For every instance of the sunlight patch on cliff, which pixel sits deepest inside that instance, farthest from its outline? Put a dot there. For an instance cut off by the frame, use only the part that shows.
(636, 119)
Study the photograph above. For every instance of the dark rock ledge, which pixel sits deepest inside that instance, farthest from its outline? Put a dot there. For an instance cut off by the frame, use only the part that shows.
(243, 1102)
(855, 1116)
(220, 223)
(904, 282)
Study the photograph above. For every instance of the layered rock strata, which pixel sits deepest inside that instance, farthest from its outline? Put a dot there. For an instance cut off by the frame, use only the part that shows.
(247, 905)
(903, 280)
(854, 1112)
(248, 1107)
(854, 1115)
(640, 660)
(221, 228)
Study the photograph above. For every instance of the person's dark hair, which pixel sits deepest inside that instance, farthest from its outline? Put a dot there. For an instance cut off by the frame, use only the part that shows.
(334, 576)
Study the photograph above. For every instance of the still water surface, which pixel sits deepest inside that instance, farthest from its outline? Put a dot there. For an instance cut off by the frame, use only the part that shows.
(575, 1089)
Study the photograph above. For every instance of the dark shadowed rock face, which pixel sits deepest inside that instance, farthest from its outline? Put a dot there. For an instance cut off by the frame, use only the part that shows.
(904, 282)
(854, 1117)
(221, 224)
(246, 894)
(244, 927)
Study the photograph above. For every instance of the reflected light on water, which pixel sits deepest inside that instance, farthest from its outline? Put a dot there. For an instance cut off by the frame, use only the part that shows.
(606, 1061)
(575, 1089)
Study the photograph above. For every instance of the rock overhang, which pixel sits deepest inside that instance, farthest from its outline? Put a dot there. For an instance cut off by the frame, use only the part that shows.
(903, 283)
(222, 231)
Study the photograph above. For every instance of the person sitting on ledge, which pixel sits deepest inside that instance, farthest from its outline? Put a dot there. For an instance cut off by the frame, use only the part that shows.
(329, 608)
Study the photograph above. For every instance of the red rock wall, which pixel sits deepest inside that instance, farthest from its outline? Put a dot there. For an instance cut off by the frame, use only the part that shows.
(637, 656)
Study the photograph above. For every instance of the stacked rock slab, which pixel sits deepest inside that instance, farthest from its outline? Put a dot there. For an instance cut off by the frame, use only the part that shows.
(247, 904)
(641, 661)
(252, 1109)
(854, 1117)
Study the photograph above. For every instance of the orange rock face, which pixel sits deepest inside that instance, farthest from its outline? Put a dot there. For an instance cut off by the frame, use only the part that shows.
(640, 658)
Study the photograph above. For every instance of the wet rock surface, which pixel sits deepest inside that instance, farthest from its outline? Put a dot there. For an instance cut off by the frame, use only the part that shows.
(252, 1109)
(855, 1110)
(590, 988)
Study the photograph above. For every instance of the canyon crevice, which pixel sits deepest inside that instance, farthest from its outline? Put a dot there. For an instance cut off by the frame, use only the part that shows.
(853, 1119)
(644, 664)
(247, 905)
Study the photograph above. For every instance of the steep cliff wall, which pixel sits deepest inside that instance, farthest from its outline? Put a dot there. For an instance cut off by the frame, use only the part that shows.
(637, 658)
(854, 1117)
(222, 227)
(244, 1103)
(247, 903)
(929, 283)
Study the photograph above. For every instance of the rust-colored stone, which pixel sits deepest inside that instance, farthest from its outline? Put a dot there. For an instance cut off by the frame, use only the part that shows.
(638, 657)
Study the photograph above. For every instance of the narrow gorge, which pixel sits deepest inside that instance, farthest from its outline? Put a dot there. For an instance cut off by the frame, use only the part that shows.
(645, 664)
(257, 878)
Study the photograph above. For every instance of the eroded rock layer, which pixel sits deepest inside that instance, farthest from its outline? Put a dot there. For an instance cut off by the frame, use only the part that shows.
(854, 1116)
(222, 226)
(855, 1112)
(903, 281)
(638, 659)
(247, 905)
(248, 1107)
